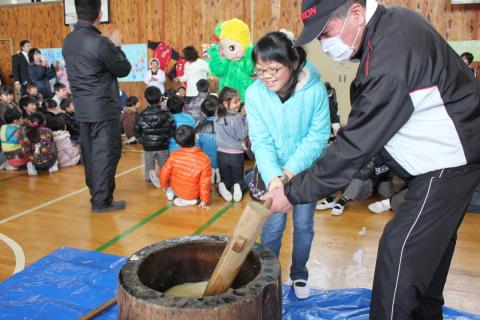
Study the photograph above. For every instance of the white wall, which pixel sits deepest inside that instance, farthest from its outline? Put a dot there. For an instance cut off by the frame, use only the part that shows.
(339, 74)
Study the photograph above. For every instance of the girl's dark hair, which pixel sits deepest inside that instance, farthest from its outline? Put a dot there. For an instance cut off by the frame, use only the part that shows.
(6, 90)
(65, 103)
(38, 120)
(24, 102)
(56, 122)
(131, 101)
(276, 46)
(190, 54)
(468, 56)
(226, 95)
(11, 115)
(49, 104)
(210, 105)
(175, 104)
(31, 53)
(31, 85)
(170, 93)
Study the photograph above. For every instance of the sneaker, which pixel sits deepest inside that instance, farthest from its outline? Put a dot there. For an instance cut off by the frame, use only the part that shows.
(170, 194)
(31, 171)
(301, 289)
(53, 168)
(380, 206)
(132, 140)
(337, 210)
(324, 204)
(179, 202)
(114, 206)
(154, 179)
(10, 168)
(237, 192)
(227, 195)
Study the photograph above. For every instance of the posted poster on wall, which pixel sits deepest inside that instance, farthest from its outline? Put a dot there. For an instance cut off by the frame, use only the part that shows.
(472, 46)
(137, 55)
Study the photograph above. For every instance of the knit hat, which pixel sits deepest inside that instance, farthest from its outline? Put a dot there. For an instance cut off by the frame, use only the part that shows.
(236, 30)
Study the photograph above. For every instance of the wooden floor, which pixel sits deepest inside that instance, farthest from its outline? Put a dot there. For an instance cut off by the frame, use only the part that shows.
(40, 214)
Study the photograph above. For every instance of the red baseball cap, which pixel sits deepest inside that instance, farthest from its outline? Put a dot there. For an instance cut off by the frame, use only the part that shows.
(315, 14)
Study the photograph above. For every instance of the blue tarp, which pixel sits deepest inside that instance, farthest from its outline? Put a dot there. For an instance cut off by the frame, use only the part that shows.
(69, 282)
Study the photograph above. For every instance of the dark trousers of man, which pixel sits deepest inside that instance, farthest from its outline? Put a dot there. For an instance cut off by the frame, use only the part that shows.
(101, 149)
(417, 245)
(231, 168)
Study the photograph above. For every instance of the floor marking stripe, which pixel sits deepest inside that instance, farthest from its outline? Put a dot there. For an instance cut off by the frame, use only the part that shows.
(17, 251)
(132, 229)
(71, 194)
(214, 218)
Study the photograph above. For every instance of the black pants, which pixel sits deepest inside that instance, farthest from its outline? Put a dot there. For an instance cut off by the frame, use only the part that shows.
(417, 245)
(101, 149)
(231, 168)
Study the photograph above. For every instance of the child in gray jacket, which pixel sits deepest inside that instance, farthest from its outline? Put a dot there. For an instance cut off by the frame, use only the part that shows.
(231, 131)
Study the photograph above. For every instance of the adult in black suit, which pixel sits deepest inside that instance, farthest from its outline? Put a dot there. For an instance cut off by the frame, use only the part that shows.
(93, 63)
(20, 66)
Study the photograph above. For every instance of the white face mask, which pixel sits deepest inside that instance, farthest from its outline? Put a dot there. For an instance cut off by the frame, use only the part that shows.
(336, 49)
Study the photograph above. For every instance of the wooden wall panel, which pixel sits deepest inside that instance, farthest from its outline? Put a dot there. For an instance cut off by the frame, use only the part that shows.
(183, 23)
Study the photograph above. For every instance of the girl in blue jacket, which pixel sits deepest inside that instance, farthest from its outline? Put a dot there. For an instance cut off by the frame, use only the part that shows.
(289, 127)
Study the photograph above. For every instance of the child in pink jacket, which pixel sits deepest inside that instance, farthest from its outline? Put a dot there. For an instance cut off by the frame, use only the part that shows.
(68, 154)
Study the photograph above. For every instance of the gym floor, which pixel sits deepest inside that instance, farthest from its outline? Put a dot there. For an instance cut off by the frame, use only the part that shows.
(40, 214)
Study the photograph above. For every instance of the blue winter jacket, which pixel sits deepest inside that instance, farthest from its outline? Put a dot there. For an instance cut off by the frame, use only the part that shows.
(290, 135)
(207, 140)
(41, 77)
(181, 118)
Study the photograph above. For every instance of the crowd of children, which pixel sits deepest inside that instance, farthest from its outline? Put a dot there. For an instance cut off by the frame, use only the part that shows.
(37, 134)
(185, 144)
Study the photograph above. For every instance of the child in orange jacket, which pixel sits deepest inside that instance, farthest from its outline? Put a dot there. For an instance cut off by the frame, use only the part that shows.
(187, 172)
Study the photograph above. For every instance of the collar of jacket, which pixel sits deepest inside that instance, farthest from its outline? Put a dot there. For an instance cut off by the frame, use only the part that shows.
(370, 30)
(303, 78)
(191, 150)
(86, 25)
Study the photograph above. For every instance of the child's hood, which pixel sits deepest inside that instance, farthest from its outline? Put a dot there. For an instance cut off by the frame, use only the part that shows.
(307, 77)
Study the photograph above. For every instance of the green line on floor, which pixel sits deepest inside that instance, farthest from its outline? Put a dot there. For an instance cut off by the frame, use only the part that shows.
(214, 218)
(132, 229)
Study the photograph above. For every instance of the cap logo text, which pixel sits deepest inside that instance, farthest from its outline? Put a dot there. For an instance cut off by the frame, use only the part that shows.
(310, 12)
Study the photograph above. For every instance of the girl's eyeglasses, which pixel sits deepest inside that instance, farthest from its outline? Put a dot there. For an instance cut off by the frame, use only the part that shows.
(269, 71)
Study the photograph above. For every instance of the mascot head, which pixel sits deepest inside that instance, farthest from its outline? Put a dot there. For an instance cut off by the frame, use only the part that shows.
(234, 39)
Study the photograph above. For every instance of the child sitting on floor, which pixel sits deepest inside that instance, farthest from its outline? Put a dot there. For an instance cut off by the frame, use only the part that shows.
(15, 146)
(186, 174)
(43, 152)
(68, 154)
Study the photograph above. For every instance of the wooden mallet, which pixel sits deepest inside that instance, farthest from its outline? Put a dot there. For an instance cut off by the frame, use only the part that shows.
(246, 231)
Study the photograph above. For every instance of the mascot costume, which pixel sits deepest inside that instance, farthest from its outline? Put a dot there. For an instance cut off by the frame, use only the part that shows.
(231, 59)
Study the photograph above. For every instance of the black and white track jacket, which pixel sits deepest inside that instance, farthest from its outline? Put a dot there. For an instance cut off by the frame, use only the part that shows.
(413, 100)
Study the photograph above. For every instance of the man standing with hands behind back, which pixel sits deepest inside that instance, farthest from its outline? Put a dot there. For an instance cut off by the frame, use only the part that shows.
(94, 63)
(416, 103)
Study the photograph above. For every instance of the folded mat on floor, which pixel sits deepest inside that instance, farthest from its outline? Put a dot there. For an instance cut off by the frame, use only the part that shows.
(70, 282)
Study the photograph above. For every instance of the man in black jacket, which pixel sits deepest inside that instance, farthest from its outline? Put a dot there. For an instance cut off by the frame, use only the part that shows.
(20, 67)
(417, 103)
(93, 64)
